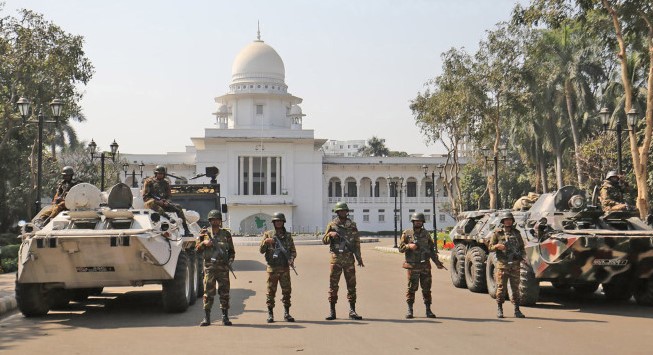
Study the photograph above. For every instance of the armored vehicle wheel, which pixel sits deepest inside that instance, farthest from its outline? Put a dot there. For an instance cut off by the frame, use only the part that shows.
(457, 266)
(59, 298)
(194, 285)
(644, 292)
(489, 275)
(617, 290)
(475, 269)
(176, 292)
(585, 289)
(32, 300)
(529, 287)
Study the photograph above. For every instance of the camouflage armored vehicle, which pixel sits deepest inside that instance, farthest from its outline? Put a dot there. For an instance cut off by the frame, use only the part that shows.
(201, 198)
(569, 241)
(104, 241)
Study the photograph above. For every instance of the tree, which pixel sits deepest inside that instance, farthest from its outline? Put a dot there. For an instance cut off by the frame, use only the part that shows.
(375, 147)
(40, 61)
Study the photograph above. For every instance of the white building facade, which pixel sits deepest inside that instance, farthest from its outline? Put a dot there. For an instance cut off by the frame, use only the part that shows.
(268, 163)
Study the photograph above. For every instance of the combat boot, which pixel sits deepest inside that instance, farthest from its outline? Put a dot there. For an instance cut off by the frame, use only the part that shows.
(518, 313)
(332, 311)
(429, 314)
(270, 315)
(499, 310)
(352, 312)
(225, 317)
(409, 314)
(207, 318)
(286, 314)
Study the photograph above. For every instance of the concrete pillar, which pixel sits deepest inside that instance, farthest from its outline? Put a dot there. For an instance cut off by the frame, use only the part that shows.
(241, 171)
(268, 177)
(250, 185)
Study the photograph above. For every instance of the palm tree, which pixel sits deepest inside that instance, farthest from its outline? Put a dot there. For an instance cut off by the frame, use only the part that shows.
(375, 147)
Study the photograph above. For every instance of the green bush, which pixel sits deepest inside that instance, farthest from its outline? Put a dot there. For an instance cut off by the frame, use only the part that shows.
(9, 251)
(9, 239)
(9, 265)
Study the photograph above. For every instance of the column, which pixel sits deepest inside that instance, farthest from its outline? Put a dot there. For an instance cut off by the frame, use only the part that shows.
(250, 175)
(268, 177)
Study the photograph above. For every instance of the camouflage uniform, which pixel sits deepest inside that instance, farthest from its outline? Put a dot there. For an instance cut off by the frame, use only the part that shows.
(278, 268)
(418, 264)
(342, 262)
(58, 202)
(612, 197)
(505, 270)
(153, 187)
(217, 271)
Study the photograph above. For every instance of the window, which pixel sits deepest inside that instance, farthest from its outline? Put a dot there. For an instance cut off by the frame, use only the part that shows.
(259, 109)
(366, 211)
(429, 189)
(351, 189)
(411, 189)
(427, 217)
(441, 218)
(381, 218)
(366, 218)
(376, 189)
(262, 179)
(411, 210)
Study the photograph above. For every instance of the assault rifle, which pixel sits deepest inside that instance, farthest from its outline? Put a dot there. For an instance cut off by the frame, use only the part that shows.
(512, 250)
(426, 253)
(220, 254)
(345, 245)
(279, 248)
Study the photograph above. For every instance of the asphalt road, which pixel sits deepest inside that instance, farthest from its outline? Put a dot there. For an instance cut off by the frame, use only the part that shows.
(130, 320)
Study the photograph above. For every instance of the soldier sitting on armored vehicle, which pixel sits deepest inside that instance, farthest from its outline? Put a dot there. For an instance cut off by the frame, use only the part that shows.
(58, 202)
(524, 203)
(156, 195)
(612, 193)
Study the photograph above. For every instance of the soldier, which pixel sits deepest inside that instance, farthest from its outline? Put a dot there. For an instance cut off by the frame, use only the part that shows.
(344, 243)
(280, 253)
(218, 252)
(612, 193)
(156, 194)
(58, 202)
(509, 247)
(524, 203)
(418, 245)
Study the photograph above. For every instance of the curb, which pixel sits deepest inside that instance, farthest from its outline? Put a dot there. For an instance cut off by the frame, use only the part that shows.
(7, 304)
(297, 242)
(443, 255)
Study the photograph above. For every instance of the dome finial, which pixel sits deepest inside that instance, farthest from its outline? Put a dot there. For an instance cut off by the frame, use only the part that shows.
(258, 30)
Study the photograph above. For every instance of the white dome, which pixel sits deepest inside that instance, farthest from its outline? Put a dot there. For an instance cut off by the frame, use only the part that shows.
(295, 110)
(258, 62)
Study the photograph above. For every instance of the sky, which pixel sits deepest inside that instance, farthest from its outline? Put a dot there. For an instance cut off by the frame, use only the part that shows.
(357, 64)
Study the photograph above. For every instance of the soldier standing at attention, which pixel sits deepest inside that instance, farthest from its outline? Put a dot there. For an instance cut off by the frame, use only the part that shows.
(344, 243)
(217, 249)
(58, 202)
(280, 253)
(419, 248)
(156, 194)
(509, 247)
(612, 193)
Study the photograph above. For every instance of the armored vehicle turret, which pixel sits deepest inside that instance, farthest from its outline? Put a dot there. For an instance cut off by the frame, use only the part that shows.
(104, 241)
(569, 241)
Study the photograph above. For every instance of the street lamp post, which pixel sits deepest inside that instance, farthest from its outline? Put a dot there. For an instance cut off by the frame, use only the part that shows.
(435, 224)
(23, 106)
(393, 182)
(631, 118)
(495, 159)
(125, 167)
(114, 151)
(394, 188)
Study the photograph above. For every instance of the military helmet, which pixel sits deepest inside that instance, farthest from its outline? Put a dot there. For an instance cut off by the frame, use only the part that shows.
(278, 216)
(611, 174)
(417, 216)
(214, 214)
(506, 215)
(160, 169)
(341, 206)
(67, 170)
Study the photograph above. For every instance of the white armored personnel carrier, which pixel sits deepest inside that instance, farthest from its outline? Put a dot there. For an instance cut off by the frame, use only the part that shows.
(106, 241)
